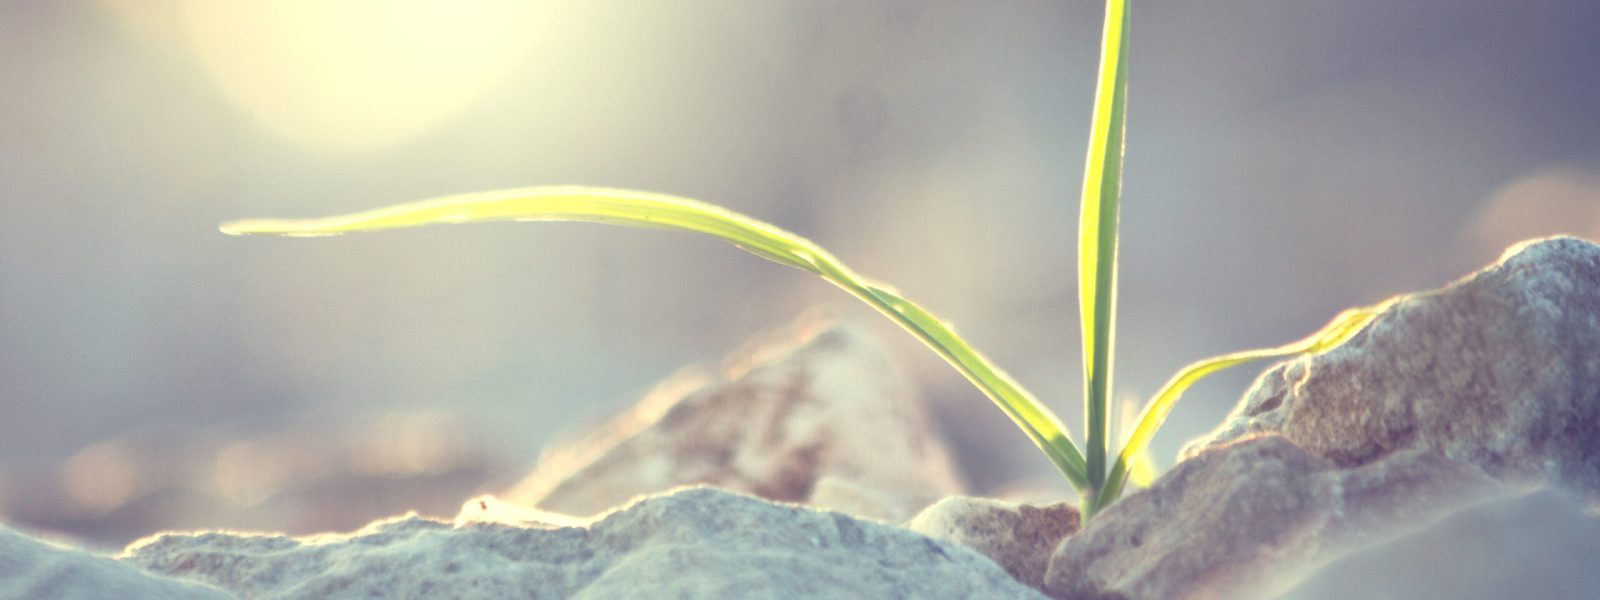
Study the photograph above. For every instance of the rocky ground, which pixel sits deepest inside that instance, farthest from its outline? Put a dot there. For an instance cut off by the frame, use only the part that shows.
(829, 482)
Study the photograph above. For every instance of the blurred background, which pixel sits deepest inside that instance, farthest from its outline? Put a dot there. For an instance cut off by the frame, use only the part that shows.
(1285, 160)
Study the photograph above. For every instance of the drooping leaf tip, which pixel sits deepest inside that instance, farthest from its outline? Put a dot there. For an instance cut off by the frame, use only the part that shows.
(269, 227)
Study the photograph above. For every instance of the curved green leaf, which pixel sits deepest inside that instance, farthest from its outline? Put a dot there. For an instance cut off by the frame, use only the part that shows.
(644, 209)
(1343, 326)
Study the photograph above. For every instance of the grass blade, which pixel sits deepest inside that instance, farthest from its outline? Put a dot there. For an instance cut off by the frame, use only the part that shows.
(644, 209)
(1343, 326)
(1097, 236)
(1141, 467)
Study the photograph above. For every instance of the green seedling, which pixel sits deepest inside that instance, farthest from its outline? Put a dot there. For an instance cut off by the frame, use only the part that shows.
(1099, 478)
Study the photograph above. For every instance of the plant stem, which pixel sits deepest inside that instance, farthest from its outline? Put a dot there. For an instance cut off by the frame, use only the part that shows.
(1097, 240)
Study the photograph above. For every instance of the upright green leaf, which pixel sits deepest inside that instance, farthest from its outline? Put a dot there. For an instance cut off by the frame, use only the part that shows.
(1343, 326)
(1097, 236)
(644, 209)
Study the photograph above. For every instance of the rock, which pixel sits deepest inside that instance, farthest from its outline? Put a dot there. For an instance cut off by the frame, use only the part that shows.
(694, 543)
(1019, 537)
(820, 401)
(30, 568)
(1485, 388)
(862, 500)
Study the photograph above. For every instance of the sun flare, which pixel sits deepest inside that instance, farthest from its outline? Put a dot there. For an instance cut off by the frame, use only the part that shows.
(359, 74)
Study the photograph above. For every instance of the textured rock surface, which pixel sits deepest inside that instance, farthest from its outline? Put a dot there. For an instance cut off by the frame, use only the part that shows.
(819, 401)
(1490, 386)
(30, 568)
(695, 543)
(1020, 537)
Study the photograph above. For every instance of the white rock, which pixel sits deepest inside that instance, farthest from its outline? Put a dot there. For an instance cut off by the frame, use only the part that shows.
(695, 543)
(1448, 398)
(30, 568)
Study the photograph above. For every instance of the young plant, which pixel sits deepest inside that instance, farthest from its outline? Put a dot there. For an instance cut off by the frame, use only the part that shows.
(1098, 479)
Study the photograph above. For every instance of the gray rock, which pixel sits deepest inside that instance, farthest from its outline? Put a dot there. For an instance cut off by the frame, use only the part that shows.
(1020, 537)
(30, 568)
(819, 401)
(695, 543)
(1488, 387)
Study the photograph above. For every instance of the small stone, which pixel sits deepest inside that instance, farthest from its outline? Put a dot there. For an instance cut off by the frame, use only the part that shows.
(819, 401)
(1482, 389)
(1020, 537)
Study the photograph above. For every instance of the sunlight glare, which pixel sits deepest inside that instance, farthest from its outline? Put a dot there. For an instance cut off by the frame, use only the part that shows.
(356, 75)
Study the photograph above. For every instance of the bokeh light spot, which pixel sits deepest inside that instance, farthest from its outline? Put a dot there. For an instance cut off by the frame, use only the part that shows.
(1547, 202)
(100, 478)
